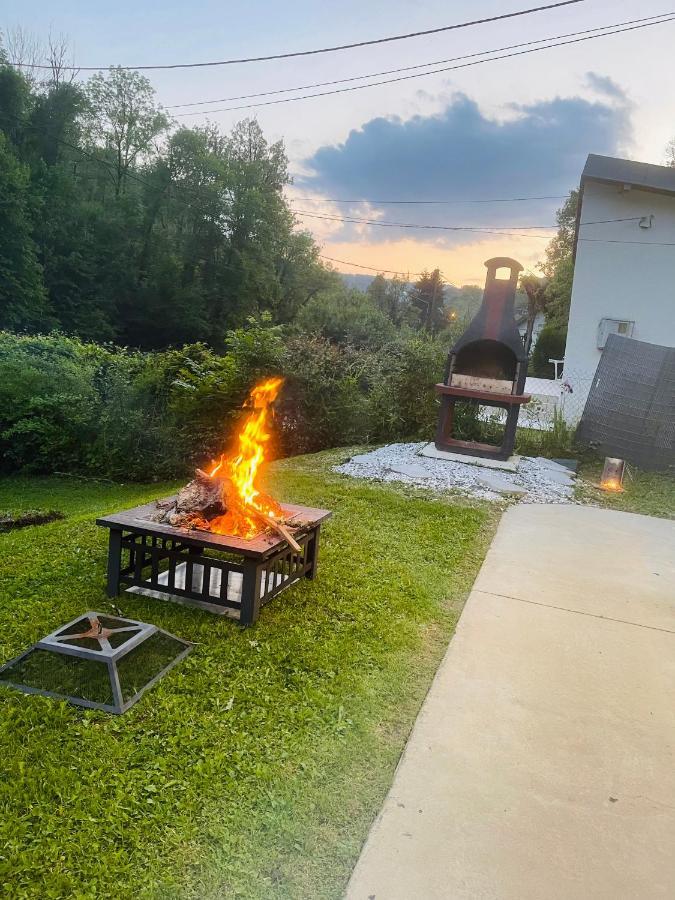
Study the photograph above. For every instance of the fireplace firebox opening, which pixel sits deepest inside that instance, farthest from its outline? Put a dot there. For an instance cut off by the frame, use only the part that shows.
(486, 359)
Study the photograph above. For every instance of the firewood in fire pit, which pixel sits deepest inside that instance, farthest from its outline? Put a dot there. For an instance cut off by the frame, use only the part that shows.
(201, 499)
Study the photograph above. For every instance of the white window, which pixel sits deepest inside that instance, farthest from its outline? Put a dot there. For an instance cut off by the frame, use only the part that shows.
(606, 327)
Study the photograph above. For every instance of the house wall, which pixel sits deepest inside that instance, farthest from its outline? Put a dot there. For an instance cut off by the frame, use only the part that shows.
(633, 281)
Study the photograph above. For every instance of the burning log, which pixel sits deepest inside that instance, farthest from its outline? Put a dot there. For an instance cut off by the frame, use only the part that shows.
(200, 500)
(227, 500)
(282, 530)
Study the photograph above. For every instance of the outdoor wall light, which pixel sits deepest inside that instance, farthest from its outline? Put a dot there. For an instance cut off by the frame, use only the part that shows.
(612, 474)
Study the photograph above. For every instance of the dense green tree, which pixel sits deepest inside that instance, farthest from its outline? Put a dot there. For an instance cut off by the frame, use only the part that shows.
(559, 264)
(536, 291)
(346, 316)
(427, 297)
(23, 303)
(14, 101)
(550, 345)
(124, 231)
(123, 120)
(464, 302)
(390, 295)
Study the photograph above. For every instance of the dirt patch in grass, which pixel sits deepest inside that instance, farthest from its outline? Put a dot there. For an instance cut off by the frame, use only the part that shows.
(12, 521)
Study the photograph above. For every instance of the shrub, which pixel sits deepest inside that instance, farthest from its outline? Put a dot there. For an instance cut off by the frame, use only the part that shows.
(49, 406)
(69, 406)
(346, 317)
(550, 345)
(327, 398)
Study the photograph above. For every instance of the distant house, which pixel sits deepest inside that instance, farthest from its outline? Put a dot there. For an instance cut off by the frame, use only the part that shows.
(624, 274)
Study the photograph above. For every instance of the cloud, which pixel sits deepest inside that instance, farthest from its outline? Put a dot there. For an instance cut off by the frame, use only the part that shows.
(603, 84)
(460, 153)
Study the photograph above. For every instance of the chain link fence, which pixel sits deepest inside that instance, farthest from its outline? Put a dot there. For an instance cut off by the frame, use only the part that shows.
(564, 396)
(552, 399)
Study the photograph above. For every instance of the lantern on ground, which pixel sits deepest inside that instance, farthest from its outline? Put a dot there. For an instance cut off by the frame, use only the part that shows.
(612, 474)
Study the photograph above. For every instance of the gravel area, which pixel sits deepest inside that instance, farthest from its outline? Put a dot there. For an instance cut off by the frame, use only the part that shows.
(537, 480)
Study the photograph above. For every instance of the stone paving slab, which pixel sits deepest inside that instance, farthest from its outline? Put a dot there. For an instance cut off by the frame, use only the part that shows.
(586, 559)
(542, 764)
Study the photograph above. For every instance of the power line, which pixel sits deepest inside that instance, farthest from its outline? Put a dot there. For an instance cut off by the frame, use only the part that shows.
(288, 55)
(606, 221)
(476, 62)
(504, 230)
(495, 229)
(438, 62)
(424, 202)
(347, 262)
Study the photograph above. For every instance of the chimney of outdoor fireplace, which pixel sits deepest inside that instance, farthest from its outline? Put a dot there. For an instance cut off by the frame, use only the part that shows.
(495, 320)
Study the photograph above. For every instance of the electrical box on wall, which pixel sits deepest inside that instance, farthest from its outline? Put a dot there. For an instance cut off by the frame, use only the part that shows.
(623, 327)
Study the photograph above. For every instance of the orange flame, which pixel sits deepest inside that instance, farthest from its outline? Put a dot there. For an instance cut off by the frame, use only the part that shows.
(243, 498)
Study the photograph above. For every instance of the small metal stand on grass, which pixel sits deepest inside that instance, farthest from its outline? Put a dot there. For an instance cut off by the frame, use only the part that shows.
(97, 661)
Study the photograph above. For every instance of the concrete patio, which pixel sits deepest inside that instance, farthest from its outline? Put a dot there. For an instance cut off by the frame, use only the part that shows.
(542, 764)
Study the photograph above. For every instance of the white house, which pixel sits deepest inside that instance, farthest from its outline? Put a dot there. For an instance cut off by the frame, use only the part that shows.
(624, 273)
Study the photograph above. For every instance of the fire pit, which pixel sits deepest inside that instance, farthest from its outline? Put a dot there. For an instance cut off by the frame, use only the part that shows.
(220, 573)
(221, 544)
(487, 366)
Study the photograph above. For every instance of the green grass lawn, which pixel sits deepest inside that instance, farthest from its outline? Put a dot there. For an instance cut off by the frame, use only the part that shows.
(649, 493)
(254, 769)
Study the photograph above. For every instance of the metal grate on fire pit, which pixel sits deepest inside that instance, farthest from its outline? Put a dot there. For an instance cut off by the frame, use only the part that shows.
(97, 661)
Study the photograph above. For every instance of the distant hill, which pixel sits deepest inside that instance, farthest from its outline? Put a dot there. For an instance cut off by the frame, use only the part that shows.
(359, 282)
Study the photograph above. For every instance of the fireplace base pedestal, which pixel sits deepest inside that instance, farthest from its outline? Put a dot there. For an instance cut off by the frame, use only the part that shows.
(444, 433)
(216, 572)
(505, 465)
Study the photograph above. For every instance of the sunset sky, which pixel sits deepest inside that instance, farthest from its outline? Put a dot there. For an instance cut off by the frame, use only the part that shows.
(518, 127)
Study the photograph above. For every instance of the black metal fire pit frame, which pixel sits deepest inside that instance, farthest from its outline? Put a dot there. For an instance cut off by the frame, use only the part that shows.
(220, 573)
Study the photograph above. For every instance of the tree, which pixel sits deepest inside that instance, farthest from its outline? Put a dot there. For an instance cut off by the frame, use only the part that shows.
(23, 302)
(464, 302)
(123, 119)
(390, 295)
(559, 263)
(427, 297)
(136, 239)
(536, 291)
(550, 345)
(346, 316)
(14, 101)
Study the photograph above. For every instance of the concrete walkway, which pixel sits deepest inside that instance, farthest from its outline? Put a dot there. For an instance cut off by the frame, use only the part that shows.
(542, 764)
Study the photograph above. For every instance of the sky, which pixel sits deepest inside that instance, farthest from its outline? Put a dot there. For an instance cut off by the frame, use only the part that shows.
(518, 127)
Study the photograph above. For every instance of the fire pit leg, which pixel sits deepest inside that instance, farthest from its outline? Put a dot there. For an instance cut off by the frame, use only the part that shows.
(313, 554)
(250, 593)
(114, 562)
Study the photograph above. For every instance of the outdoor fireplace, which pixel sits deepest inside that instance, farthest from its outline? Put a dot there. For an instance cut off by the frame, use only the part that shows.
(487, 366)
(221, 543)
